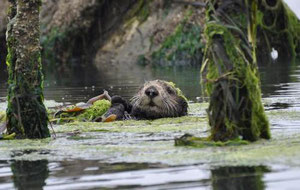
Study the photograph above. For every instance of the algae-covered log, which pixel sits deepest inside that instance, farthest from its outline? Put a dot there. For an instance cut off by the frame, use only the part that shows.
(231, 75)
(26, 113)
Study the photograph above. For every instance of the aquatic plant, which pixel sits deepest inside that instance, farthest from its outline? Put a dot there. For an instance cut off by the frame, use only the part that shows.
(88, 112)
(190, 140)
(96, 110)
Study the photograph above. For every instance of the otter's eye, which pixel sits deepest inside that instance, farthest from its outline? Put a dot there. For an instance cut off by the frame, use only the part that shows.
(170, 90)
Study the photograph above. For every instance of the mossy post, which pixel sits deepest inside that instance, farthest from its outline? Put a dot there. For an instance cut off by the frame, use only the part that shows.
(230, 72)
(26, 113)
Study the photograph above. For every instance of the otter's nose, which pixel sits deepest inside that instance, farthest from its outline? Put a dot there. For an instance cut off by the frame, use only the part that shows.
(151, 92)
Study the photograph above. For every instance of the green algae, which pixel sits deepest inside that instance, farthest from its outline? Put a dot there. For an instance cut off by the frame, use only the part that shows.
(232, 81)
(2, 116)
(164, 124)
(130, 147)
(244, 79)
(8, 137)
(178, 91)
(152, 141)
(198, 108)
(142, 126)
(80, 137)
(182, 47)
(96, 110)
(26, 113)
(197, 142)
(292, 115)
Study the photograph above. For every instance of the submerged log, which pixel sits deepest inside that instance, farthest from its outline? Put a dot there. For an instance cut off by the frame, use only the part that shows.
(26, 113)
(230, 72)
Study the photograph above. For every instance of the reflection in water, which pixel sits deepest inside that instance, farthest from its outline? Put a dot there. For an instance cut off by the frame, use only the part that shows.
(94, 174)
(273, 75)
(5, 175)
(238, 178)
(16, 153)
(29, 174)
(93, 167)
(87, 174)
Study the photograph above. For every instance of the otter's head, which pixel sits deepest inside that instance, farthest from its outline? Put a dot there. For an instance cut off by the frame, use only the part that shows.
(158, 99)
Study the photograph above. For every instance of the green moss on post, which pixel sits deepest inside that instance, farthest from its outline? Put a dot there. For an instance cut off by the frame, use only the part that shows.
(231, 77)
(26, 113)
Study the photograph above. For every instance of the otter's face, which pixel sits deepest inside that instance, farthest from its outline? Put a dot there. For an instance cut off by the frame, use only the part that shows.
(157, 99)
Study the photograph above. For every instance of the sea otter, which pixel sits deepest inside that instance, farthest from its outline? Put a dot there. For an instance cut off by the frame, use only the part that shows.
(155, 99)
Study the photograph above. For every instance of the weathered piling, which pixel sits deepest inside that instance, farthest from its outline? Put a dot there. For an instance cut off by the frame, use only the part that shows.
(230, 72)
(26, 113)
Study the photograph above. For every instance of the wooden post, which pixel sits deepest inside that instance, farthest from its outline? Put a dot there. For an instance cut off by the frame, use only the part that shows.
(26, 113)
(231, 76)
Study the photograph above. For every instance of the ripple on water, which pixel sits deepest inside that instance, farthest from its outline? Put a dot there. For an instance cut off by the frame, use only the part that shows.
(77, 175)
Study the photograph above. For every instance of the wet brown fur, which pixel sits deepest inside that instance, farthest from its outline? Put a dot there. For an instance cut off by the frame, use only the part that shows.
(165, 103)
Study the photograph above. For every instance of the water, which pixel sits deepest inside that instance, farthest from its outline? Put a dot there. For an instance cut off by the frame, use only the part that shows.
(87, 174)
(82, 84)
(281, 91)
(278, 80)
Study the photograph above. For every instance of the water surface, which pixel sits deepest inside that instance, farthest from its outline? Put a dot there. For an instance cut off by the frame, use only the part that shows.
(281, 91)
(90, 174)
